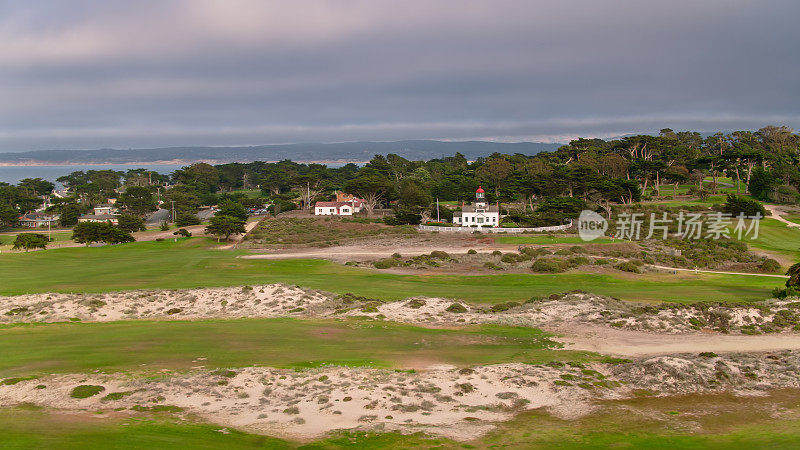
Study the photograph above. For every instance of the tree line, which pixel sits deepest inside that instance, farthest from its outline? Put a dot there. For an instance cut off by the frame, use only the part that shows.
(534, 188)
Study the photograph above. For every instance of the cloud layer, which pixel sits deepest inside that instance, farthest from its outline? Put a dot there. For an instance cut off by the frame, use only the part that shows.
(89, 74)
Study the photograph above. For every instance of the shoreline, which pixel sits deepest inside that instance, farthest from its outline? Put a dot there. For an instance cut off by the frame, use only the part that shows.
(175, 162)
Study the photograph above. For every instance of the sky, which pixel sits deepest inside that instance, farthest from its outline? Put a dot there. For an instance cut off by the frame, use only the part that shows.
(134, 74)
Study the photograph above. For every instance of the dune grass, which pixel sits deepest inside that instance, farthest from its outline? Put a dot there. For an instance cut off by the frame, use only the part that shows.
(284, 343)
(193, 263)
(691, 422)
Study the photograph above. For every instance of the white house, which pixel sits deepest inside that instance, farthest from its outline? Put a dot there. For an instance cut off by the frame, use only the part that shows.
(102, 213)
(336, 208)
(479, 213)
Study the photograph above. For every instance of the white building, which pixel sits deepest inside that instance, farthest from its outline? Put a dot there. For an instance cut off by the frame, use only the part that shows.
(336, 208)
(102, 213)
(479, 214)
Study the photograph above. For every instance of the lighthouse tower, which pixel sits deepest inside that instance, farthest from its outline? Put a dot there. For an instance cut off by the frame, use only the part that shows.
(480, 198)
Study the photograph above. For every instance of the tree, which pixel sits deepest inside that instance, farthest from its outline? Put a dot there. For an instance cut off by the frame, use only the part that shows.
(794, 276)
(370, 187)
(225, 226)
(36, 186)
(131, 223)
(185, 219)
(89, 232)
(233, 209)
(137, 200)
(30, 240)
(736, 205)
(762, 184)
(413, 204)
(495, 170)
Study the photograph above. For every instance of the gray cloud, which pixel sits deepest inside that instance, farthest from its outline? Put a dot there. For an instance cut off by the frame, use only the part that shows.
(87, 74)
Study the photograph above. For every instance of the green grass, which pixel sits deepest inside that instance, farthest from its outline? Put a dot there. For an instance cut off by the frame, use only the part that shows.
(192, 263)
(283, 343)
(7, 239)
(25, 428)
(777, 237)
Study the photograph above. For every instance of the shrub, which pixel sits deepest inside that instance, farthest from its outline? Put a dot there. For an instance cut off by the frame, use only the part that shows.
(497, 253)
(500, 307)
(551, 265)
(86, 391)
(628, 266)
(457, 308)
(576, 261)
(396, 255)
(472, 251)
(386, 263)
(509, 258)
(770, 265)
(491, 265)
(578, 249)
(183, 232)
(438, 254)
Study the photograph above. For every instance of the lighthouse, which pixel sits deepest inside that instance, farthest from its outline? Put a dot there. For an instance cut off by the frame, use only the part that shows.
(479, 214)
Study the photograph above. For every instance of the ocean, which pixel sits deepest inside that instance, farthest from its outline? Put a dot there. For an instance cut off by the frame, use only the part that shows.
(13, 174)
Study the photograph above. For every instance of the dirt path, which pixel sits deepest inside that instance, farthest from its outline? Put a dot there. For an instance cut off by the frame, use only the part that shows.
(637, 343)
(722, 272)
(777, 215)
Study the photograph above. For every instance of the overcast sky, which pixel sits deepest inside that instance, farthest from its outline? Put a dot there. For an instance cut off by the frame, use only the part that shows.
(140, 73)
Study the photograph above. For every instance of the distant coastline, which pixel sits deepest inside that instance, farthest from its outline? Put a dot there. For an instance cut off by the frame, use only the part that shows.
(158, 163)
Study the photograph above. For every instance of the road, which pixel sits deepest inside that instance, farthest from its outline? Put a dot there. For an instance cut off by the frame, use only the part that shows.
(638, 343)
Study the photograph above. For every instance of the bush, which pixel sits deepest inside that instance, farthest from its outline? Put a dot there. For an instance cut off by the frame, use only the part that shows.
(628, 266)
(386, 263)
(471, 251)
(491, 265)
(770, 265)
(438, 254)
(183, 232)
(551, 265)
(576, 261)
(500, 307)
(164, 226)
(509, 258)
(86, 391)
(457, 308)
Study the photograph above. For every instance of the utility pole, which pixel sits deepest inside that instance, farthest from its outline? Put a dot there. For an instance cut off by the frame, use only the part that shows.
(437, 209)
(173, 211)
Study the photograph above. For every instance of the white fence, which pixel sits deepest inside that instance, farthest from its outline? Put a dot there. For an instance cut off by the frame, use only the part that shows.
(494, 230)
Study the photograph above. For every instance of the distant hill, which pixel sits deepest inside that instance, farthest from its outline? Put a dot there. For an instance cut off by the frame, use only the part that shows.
(341, 152)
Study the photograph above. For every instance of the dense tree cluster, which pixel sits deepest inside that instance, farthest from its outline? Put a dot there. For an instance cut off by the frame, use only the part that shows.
(533, 189)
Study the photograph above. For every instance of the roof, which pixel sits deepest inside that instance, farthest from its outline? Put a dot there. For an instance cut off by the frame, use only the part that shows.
(480, 189)
(98, 216)
(472, 208)
(335, 204)
(37, 216)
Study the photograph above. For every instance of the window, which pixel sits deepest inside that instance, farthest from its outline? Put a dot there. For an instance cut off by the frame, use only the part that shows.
(480, 210)
(480, 219)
